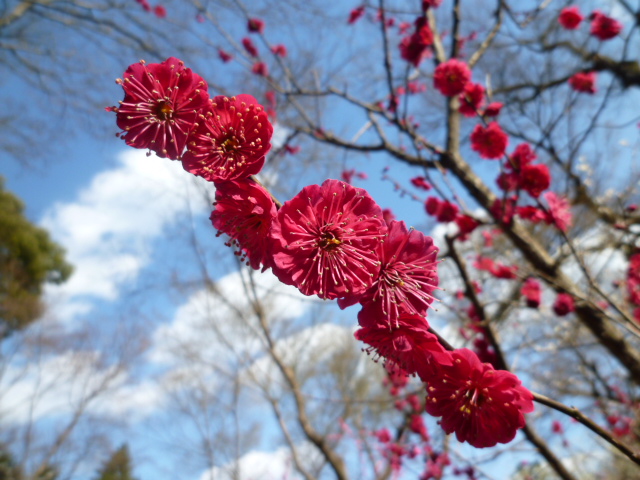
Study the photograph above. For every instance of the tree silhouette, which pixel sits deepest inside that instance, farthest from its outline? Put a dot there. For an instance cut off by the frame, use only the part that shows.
(118, 466)
(11, 470)
(28, 260)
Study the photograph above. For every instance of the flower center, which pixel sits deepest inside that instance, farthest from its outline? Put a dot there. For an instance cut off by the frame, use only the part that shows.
(163, 110)
(328, 242)
(230, 144)
(473, 399)
(392, 277)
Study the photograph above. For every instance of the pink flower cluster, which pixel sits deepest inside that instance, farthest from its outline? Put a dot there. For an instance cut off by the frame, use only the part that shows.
(603, 27)
(451, 77)
(570, 18)
(522, 174)
(532, 292)
(584, 82)
(330, 240)
(259, 67)
(557, 213)
(445, 211)
(621, 418)
(416, 47)
(417, 441)
(161, 104)
(471, 99)
(490, 141)
(482, 405)
(166, 109)
(563, 305)
(159, 10)
(355, 14)
(633, 284)
(497, 269)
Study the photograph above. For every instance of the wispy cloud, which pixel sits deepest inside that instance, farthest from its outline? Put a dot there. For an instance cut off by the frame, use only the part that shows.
(220, 321)
(274, 465)
(67, 384)
(107, 229)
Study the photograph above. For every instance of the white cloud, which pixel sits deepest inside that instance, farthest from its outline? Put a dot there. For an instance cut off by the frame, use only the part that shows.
(108, 228)
(132, 401)
(220, 325)
(304, 350)
(58, 386)
(215, 334)
(261, 465)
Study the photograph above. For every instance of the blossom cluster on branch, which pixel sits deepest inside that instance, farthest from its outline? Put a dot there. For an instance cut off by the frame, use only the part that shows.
(330, 240)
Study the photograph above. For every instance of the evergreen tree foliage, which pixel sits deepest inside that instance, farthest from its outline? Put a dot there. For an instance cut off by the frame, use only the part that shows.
(11, 470)
(118, 466)
(28, 259)
(8, 468)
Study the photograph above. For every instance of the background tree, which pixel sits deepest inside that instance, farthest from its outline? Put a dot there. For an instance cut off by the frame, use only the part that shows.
(28, 260)
(10, 470)
(117, 466)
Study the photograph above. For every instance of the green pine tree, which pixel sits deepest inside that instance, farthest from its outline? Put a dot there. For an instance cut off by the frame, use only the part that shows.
(118, 466)
(28, 260)
(8, 468)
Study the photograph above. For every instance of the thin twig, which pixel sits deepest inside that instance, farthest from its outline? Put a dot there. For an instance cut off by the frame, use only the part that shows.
(590, 424)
